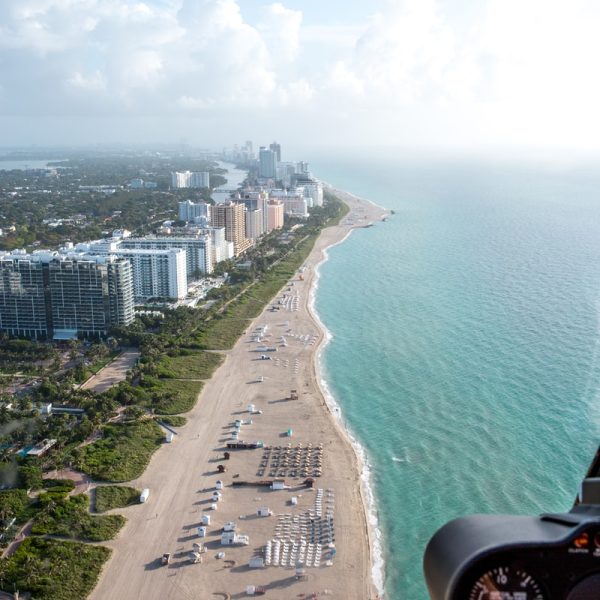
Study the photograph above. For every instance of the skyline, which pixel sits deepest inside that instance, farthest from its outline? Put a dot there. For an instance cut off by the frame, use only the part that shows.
(428, 73)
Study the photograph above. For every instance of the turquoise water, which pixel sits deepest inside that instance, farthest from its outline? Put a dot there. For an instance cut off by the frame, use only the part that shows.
(465, 351)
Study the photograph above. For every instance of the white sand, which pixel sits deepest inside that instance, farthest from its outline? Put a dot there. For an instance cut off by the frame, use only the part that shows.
(182, 475)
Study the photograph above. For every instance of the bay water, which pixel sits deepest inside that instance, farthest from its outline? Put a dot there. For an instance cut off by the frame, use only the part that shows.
(465, 350)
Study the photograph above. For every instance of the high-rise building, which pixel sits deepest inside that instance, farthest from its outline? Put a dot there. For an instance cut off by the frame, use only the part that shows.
(302, 167)
(157, 273)
(194, 211)
(230, 215)
(285, 172)
(314, 191)
(120, 293)
(294, 202)
(276, 148)
(254, 224)
(221, 248)
(89, 294)
(47, 294)
(198, 249)
(267, 167)
(23, 307)
(190, 179)
(274, 215)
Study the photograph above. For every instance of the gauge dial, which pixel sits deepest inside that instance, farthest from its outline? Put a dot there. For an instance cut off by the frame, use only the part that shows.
(505, 583)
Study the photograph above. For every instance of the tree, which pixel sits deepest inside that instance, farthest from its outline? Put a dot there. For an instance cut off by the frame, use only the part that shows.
(134, 413)
(30, 477)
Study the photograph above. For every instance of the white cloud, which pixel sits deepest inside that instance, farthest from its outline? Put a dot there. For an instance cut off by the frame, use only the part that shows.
(520, 70)
(280, 30)
(345, 81)
(92, 82)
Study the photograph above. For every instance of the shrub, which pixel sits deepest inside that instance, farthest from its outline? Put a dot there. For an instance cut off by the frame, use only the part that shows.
(115, 496)
(53, 570)
(124, 451)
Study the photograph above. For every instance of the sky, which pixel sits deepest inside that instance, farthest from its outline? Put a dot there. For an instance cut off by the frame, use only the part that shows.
(412, 73)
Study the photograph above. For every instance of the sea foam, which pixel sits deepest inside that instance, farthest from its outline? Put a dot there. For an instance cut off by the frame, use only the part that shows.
(377, 562)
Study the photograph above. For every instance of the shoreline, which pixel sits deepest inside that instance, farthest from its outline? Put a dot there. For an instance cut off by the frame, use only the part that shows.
(372, 526)
(182, 476)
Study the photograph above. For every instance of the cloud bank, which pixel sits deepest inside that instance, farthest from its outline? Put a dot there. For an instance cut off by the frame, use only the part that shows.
(506, 71)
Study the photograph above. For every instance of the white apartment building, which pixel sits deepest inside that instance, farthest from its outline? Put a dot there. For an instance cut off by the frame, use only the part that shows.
(313, 192)
(199, 254)
(195, 212)
(294, 203)
(222, 249)
(254, 224)
(157, 273)
(190, 179)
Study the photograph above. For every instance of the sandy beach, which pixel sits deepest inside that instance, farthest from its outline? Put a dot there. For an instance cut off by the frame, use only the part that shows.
(323, 527)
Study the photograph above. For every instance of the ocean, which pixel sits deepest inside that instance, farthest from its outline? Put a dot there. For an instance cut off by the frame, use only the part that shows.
(464, 349)
(24, 165)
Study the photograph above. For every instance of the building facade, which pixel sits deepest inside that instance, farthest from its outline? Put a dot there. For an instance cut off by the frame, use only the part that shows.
(267, 167)
(24, 311)
(230, 216)
(274, 215)
(89, 294)
(51, 295)
(198, 250)
(276, 149)
(254, 224)
(194, 211)
(157, 273)
(190, 179)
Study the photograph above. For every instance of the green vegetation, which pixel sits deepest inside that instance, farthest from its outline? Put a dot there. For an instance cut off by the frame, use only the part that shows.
(123, 453)
(115, 496)
(30, 477)
(12, 504)
(179, 350)
(27, 357)
(69, 518)
(82, 373)
(224, 329)
(53, 570)
(48, 211)
(170, 396)
(56, 490)
(173, 421)
(191, 365)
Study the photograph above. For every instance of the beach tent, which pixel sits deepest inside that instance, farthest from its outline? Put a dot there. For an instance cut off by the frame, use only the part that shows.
(257, 562)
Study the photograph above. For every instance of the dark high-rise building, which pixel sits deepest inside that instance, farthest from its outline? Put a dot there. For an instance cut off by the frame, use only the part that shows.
(88, 295)
(46, 295)
(24, 311)
(276, 148)
(267, 166)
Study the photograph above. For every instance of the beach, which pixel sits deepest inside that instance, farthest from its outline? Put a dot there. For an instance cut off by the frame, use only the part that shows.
(314, 539)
